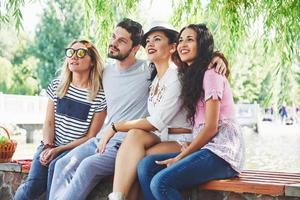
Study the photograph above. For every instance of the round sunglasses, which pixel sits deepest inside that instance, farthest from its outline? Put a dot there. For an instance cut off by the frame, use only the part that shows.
(80, 53)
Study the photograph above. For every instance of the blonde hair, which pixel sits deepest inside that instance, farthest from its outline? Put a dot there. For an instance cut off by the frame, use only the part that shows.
(95, 76)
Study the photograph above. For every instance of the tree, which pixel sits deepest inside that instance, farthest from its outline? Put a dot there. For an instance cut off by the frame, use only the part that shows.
(273, 25)
(10, 11)
(62, 22)
(6, 75)
(24, 77)
(17, 65)
(232, 22)
(102, 16)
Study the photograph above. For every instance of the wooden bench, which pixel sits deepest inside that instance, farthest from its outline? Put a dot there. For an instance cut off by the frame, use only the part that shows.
(258, 183)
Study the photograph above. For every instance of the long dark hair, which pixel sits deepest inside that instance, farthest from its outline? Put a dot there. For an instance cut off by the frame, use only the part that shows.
(192, 76)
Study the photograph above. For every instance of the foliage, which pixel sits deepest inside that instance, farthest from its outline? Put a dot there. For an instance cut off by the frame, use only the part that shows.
(276, 26)
(62, 22)
(102, 16)
(6, 75)
(24, 77)
(17, 66)
(251, 72)
(260, 38)
(18, 79)
(8, 46)
(10, 10)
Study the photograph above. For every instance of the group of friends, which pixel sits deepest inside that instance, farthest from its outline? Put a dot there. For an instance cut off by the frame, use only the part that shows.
(161, 125)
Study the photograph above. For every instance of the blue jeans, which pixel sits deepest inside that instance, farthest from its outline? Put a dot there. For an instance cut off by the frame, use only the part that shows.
(39, 178)
(77, 173)
(164, 183)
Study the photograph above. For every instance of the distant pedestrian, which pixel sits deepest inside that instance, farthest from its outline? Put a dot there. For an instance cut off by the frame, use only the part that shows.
(283, 113)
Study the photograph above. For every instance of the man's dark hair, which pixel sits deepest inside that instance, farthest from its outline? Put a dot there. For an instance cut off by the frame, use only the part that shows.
(134, 28)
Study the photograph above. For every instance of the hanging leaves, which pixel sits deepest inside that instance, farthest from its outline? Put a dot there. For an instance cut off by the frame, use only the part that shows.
(274, 23)
(272, 26)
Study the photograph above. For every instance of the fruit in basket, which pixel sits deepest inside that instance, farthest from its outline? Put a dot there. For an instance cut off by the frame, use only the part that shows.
(3, 140)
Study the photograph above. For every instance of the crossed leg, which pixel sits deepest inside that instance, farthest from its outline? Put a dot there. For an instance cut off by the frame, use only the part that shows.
(135, 147)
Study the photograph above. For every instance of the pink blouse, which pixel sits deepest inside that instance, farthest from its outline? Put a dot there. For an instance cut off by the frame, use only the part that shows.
(228, 143)
(216, 86)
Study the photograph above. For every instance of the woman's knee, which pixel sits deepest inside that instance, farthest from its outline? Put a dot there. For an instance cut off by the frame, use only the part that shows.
(144, 166)
(156, 186)
(140, 137)
(134, 134)
(132, 137)
(159, 183)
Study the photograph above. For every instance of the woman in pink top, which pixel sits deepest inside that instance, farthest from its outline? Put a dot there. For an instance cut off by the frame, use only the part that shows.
(217, 150)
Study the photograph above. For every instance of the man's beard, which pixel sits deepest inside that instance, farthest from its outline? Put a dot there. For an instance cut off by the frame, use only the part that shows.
(119, 56)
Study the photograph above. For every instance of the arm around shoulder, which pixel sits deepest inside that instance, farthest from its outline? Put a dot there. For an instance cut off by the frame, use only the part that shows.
(220, 64)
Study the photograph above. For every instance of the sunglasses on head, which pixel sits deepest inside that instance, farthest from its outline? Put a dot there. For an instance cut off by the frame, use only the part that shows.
(80, 53)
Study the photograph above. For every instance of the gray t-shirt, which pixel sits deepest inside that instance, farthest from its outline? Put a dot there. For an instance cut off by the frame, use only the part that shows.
(126, 92)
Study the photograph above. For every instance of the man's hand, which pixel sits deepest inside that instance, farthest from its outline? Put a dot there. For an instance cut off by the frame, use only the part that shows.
(218, 64)
(104, 140)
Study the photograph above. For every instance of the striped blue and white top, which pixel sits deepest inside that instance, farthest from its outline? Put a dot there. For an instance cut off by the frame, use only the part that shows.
(73, 112)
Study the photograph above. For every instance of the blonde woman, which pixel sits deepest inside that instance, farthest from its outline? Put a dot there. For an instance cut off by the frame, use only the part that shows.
(75, 112)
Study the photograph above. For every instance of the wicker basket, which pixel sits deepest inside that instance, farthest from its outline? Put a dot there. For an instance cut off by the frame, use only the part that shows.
(7, 150)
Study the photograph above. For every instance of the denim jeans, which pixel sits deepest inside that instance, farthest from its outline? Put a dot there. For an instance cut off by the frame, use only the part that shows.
(39, 178)
(77, 173)
(164, 183)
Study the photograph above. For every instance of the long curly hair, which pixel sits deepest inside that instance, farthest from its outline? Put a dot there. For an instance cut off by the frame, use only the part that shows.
(192, 76)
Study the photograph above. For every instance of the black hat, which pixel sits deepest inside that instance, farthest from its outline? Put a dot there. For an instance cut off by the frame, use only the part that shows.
(170, 31)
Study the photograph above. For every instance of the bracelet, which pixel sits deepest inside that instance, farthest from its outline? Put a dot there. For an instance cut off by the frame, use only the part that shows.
(46, 146)
(113, 127)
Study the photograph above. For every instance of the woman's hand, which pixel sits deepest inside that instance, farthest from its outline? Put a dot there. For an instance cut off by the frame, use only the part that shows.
(183, 145)
(104, 140)
(168, 162)
(43, 160)
(48, 155)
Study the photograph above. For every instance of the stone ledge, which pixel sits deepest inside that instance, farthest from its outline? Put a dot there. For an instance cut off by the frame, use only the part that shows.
(16, 166)
(292, 190)
(10, 167)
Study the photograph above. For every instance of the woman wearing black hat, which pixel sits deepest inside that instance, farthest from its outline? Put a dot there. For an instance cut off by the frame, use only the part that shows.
(217, 150)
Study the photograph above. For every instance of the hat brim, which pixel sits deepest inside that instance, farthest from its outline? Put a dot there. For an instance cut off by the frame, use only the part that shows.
(170, 32)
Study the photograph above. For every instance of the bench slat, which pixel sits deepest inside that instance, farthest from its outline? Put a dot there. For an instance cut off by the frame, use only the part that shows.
(253, 172)
(258, 182)
(245, 187)
(275, 179)
(273, 176)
